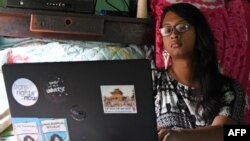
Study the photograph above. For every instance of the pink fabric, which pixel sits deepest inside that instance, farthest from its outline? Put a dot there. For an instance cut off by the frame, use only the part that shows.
(228, 23)
(199, 3)
(16, 58)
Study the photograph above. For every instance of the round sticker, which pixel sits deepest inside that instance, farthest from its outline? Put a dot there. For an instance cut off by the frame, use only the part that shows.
(25, 92)
(77, 113)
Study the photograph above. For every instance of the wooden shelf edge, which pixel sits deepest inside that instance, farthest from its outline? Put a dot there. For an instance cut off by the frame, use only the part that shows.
(15, 22)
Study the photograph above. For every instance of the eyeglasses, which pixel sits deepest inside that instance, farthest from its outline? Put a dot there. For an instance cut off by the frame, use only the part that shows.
(168, 29)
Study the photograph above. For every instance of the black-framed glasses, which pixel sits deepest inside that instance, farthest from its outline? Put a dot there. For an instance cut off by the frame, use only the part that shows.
(168, 29)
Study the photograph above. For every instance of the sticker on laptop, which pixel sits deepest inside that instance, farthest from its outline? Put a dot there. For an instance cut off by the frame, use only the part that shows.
(25, 92)
(26, 129)
(118, 98)
(55, 130)
(40, 129)
(55, 88)
(78, 113)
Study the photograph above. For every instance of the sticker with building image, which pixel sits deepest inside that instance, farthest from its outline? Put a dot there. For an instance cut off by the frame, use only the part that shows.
(118, 99)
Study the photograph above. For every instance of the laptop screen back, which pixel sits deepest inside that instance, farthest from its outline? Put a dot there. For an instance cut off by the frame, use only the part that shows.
(88, 101)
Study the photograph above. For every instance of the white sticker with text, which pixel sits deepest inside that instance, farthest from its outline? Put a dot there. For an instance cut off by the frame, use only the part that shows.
(25, 92)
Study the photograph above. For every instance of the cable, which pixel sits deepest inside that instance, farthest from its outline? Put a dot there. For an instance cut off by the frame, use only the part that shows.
(125, 1)
(95, 2)
(112, 5)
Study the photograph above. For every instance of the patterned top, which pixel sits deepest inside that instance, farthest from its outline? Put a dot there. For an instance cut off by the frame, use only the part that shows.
(176, 103)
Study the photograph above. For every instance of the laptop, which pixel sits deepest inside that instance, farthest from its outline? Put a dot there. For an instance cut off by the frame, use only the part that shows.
(82, 101)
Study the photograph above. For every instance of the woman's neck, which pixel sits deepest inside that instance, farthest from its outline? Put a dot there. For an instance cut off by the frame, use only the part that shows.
(181, 70)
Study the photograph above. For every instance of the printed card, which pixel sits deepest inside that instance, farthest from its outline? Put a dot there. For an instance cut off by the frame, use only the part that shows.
(118, 98)
(40, 129)
(26, 129)
(54, 129)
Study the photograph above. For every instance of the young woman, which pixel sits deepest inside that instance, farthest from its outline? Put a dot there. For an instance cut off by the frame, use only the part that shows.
(193, 99)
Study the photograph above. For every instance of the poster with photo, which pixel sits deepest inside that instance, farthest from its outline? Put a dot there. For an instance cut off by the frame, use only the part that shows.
(118, 99)
(54, 130)
(26, 129)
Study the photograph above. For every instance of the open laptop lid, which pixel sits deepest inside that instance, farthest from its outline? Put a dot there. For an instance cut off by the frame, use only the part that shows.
(88, 101)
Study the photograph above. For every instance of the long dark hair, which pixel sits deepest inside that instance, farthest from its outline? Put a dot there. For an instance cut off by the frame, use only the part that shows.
(55, 136)
(28, 137)
(205, 64)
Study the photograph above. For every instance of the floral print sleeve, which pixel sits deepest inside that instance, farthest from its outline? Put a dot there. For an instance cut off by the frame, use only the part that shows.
(233, 102)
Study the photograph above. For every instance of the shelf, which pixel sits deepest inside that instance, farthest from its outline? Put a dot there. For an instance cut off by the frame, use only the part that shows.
(15, 22)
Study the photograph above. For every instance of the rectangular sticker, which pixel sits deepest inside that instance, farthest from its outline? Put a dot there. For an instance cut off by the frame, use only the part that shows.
(118, 99)
(53, 129)
(40, 129)
(26, 129)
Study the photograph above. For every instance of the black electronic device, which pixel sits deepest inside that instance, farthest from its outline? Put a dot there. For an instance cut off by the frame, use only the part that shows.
(81, 103)
(81, 6)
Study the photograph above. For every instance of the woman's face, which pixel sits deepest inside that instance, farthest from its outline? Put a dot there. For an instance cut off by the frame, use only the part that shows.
(179, 45)
(57, 139)
(29, 139)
